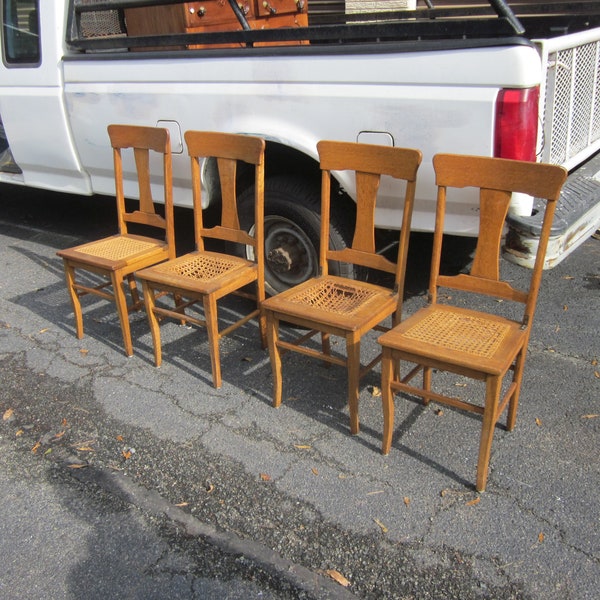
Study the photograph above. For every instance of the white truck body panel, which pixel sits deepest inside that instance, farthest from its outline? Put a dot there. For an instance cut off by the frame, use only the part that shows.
(55, 114)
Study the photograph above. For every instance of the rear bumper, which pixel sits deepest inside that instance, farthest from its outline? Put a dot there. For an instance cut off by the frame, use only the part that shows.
(577, 217)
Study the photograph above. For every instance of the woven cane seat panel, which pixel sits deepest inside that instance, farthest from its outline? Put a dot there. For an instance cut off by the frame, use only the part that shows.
(116, 248)
(463, 333)
(201, 267)
(334, 297)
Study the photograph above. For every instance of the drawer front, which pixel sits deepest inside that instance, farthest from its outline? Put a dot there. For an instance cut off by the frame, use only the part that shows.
(214, 12)
(273, 8)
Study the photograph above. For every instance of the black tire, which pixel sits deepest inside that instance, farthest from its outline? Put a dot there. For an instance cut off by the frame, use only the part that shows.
(292, 230)
(3, 140)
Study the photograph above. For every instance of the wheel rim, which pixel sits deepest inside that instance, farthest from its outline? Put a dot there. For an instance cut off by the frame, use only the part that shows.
(290, 256)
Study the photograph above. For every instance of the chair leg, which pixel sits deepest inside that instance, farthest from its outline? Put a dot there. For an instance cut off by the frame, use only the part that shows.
(121, 302)
(492, 396)
(150, 302)
(262, 319)
(353, 362)
(272, 338)
(513, 405)
(426, 382)
(212, 328)
(76, 303)
(388, 368)
(326, 347)
(133, 290)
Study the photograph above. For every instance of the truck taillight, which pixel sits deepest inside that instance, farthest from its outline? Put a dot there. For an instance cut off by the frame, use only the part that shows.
(516, 123)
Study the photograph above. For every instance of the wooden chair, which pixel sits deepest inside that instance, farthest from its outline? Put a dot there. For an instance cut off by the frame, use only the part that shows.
(205, 276)
(471, 343)
(338, 306)
(114, 259)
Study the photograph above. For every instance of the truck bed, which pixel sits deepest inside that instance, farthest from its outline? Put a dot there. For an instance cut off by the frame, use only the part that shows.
(101, 25)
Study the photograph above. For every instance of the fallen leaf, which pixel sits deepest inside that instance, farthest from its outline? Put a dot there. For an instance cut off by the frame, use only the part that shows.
(8, 413)
(383, 527)
(538, 422)
(126, 454)
(58, 435)
(265, 477)
(36, 447)
(44, 330)
(594, 361)
(48, 451)
(247, 359)
(568, 277)
(210, 488)
(375, 391)
(407, 500)
(20, 432)
(597, 374)
(375, 492)
(315, 471)
(302, 446)
(460, 384)
(65, 423)
(565, 307)
(438, 412)
(474, 502)
(541, 537)
(77, 466)
(594, 416)
(119, 438)
(182, 504)
(83, 351)
(85, 449)
(337, 576)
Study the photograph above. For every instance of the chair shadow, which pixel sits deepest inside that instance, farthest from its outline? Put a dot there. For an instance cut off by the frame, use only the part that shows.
(245, 364)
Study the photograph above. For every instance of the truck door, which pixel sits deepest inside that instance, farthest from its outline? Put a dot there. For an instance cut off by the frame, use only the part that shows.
(36, 145)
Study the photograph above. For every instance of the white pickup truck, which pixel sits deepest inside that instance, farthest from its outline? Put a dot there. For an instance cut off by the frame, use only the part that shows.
(519, 81)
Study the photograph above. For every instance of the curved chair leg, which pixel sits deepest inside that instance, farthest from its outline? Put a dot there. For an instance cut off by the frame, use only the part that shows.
(272, 338)
(492, 396)
(513, 405)
(150, 302)
(212, 328)
(121, 302)
(353, 353)
(76, 303)
(133, 290)
(388, 367)
(426, 383)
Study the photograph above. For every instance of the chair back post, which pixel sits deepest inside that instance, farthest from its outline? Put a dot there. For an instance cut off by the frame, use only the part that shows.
(325, 220)
(407, 212)
(259, 221)
(119, 191)
(197, 201)
(438, 238)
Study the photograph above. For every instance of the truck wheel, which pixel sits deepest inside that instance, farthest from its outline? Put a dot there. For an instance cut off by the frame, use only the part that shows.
(3, 140)
(292, 229)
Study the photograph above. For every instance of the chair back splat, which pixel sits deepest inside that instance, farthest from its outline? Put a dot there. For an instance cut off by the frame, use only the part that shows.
(477, 343)
(331, 305)
(199, 279)
(113, 260)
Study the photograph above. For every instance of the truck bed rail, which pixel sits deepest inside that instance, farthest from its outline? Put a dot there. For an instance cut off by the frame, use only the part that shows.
(100, 25)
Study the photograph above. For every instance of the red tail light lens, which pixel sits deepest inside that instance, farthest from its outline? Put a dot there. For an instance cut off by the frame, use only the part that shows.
(517, 123)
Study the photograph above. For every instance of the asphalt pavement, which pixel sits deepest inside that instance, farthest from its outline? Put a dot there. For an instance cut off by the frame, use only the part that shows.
(121, 480)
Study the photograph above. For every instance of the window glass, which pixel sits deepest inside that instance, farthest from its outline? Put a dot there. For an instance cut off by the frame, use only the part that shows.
(20, 32)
